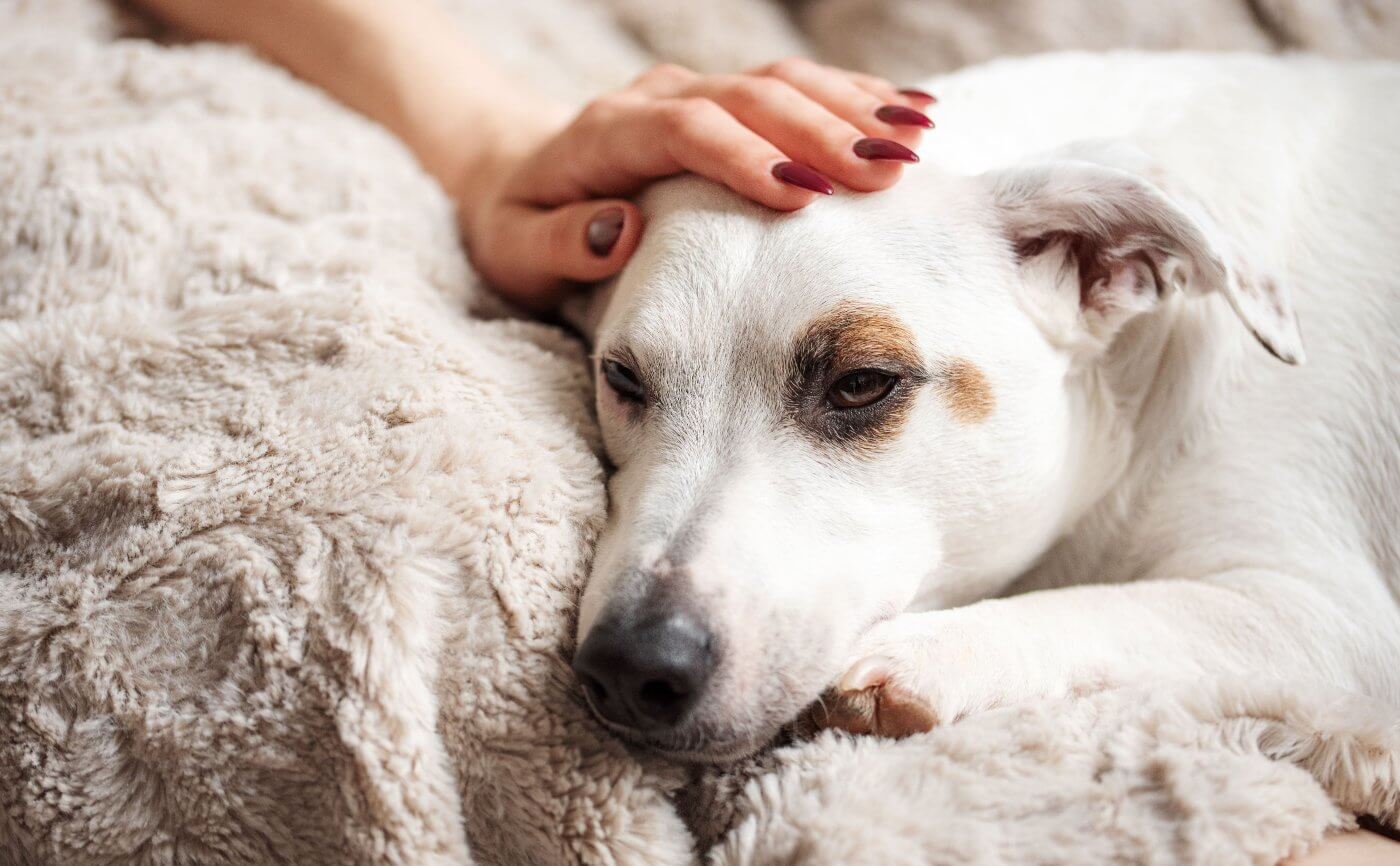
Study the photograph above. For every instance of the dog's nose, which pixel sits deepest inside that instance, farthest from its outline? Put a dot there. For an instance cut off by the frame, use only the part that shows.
(646, 677)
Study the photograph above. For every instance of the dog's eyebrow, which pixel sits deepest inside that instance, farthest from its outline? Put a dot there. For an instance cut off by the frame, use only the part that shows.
(851, 334)
(846, 338)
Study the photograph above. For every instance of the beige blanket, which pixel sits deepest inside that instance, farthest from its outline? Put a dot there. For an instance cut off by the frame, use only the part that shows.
(290, 543)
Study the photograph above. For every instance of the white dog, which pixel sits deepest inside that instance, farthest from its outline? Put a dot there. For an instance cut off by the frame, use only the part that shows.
(1061, 363)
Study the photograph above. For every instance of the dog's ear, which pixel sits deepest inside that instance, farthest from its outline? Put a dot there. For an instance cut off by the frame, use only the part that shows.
(1127, 244)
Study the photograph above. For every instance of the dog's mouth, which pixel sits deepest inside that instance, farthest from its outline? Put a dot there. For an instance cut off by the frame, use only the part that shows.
(683, 747)
(711, 754)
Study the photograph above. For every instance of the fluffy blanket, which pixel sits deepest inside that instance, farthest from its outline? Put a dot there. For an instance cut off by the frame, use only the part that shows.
(290, 543)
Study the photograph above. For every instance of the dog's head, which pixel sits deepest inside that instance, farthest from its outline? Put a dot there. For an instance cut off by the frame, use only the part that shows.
(818, 417)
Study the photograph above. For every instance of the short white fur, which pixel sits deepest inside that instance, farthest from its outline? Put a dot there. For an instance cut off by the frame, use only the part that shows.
(1154, 494)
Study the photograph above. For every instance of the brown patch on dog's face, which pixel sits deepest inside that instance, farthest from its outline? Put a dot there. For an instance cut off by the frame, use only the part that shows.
(851, 338)
(967, 391)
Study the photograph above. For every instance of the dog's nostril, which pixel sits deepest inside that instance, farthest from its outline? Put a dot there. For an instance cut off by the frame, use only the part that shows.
(659, 694)
(594, 688)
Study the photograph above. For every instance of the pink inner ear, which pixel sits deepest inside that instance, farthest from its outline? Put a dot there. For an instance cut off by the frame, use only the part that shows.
(1118, 288)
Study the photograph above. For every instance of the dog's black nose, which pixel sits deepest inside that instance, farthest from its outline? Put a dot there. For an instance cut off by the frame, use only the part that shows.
(646, 677)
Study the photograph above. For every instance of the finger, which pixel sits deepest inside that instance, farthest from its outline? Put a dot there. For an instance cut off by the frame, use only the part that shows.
(803, 129)
(877, 87)
(618, 145)
(702, 137)
(532, 254)
(888, 92)
(664, 79)
(835, 91)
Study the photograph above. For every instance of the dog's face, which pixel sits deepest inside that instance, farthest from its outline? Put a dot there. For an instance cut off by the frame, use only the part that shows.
(815, 419)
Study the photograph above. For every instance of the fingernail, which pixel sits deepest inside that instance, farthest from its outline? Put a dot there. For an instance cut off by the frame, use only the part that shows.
(798, 174)
(901, 115)
(604, 230)
(915, 93)
(883, 148)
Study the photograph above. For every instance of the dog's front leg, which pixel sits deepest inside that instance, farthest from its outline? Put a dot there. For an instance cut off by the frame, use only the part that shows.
(922, 669)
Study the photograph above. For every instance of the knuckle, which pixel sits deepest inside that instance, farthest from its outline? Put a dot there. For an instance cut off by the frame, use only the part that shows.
(756, 92)
(602, 110)
(665, 74)
(687, 115)
(792, 67)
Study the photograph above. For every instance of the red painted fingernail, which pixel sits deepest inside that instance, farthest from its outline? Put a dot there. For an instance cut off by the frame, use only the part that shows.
(915, 93)
(798, 174)
(901, 115)
(604, 230)
(883, 148)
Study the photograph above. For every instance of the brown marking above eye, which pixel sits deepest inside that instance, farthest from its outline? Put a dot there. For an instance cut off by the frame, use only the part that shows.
(966, 389)
(848, 338)
(853, 335)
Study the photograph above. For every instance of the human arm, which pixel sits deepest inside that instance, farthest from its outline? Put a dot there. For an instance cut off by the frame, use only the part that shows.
(541, 190)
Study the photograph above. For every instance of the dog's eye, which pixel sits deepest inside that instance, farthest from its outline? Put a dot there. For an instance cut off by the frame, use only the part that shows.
(860, 389)
(623, 381)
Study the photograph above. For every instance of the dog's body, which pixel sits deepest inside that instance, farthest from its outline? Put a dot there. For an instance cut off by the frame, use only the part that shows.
(1063, 296)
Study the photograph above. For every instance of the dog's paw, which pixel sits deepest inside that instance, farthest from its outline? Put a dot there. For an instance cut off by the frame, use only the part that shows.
(869, 699)
(920, 670)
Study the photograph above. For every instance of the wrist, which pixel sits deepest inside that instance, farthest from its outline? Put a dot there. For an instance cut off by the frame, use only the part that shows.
(410, 67)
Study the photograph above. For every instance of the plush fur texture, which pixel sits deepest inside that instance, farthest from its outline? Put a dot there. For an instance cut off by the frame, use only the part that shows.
(290, 547)
(912, 38)
(1225, 775)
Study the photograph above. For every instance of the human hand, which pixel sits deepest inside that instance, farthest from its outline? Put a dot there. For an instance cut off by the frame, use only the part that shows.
(541, 210)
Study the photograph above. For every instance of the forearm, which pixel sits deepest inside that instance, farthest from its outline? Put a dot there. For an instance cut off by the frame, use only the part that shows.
(405, 65)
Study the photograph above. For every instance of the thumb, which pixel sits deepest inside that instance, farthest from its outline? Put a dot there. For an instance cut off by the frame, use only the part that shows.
(534, 251)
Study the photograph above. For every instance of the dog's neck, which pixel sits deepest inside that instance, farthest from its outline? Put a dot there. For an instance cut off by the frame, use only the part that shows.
(1139, 409)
